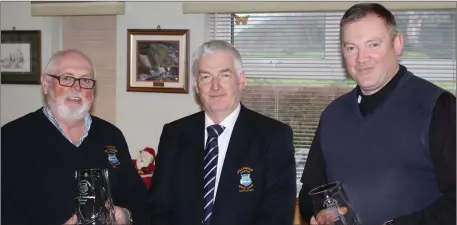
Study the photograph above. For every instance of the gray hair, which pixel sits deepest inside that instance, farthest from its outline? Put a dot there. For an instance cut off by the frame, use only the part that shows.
(52, 64)
(213, 46)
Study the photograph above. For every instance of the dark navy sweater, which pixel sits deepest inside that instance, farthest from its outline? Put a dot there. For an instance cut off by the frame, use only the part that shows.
(38, 164)
(383, 159)
(442, 152)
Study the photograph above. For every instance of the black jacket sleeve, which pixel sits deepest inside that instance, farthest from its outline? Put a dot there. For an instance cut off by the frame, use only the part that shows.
(160, 202)
(313, 176)
(280, 175)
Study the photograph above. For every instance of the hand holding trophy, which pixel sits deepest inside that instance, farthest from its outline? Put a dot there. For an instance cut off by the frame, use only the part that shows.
(332, 206)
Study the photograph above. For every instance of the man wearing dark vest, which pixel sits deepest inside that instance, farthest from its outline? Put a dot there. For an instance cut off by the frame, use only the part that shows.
(391, 140)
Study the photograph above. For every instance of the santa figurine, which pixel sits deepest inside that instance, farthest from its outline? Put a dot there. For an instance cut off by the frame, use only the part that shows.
(145, 165)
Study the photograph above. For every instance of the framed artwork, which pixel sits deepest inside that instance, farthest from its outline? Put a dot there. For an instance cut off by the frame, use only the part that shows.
(20, 56)
(157, 60)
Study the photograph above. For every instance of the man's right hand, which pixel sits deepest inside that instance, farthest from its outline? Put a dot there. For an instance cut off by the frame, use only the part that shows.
(72, 221)
(324, 217)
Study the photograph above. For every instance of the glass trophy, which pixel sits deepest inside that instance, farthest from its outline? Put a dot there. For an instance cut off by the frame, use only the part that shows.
(331, 205)
(93, 202)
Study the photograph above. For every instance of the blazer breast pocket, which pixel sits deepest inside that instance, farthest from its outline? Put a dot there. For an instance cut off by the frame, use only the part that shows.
(247, 180)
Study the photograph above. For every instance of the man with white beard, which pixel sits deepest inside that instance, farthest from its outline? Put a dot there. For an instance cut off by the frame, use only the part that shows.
(41, 151)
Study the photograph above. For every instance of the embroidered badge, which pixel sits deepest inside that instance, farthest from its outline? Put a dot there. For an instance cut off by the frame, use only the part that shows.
(246, 184)
(112, 158)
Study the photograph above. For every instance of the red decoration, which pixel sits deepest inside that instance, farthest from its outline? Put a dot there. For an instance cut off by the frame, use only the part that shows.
(145, 165)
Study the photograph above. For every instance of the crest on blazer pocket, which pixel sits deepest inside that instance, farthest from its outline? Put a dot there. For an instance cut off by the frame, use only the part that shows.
(246, 184)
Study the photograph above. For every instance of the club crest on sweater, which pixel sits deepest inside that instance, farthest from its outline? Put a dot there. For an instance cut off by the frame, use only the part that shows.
(246, 184)
(112, 158)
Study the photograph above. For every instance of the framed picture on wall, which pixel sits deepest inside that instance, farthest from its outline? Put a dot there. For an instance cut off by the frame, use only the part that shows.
(20, 56)
(157, 60)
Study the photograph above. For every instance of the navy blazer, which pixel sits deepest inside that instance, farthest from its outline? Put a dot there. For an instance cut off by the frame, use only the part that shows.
(259, 145)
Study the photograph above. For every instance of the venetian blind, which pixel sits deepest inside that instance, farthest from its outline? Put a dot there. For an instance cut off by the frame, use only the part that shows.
(294, 67)
(96, 37)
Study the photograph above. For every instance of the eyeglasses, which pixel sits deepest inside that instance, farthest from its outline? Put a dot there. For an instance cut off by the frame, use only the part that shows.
(68, 81)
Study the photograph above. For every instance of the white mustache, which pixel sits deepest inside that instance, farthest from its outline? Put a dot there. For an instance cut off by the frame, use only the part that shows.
(74, 95)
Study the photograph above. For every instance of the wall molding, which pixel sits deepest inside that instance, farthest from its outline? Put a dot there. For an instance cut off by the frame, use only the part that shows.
(60, 8)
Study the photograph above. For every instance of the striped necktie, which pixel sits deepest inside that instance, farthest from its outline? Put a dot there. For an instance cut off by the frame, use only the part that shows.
(210, 169)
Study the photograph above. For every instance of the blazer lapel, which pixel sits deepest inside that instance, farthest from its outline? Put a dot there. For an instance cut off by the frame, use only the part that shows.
(237, 146)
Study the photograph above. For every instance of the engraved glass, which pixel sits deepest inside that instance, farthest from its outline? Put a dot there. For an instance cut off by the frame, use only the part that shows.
(331, 205)
(93, 202)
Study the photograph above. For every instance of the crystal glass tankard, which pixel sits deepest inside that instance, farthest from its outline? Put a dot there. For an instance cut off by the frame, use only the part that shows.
(331, 205)
(93, 202)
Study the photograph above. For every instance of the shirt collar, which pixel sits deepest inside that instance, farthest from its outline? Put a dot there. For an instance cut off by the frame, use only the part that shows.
(383, 94)
(47, 111)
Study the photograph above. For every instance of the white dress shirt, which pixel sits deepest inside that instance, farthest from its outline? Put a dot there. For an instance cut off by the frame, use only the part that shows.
(223, 140)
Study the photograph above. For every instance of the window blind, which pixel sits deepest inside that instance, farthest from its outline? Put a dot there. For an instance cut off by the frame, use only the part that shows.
(294, 67)
(96, 37)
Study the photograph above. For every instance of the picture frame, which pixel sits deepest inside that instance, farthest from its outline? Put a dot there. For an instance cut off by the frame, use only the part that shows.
(158, 60)
(20, 56)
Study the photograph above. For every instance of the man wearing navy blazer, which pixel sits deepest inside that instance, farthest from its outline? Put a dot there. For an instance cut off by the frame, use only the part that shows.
(226, 165)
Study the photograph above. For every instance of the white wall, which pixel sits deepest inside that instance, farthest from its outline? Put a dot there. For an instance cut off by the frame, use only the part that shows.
(17, 100)
(140, 116)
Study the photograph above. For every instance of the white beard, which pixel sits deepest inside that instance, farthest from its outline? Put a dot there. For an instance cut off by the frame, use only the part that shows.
(67, 113)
